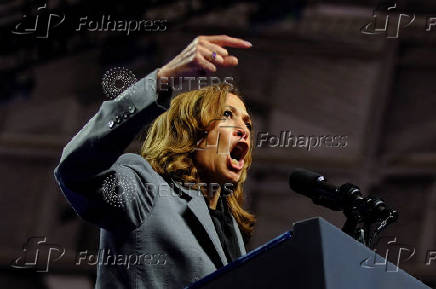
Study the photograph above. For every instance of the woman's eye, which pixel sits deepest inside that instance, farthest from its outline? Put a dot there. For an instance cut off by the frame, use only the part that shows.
(249, 126)
(228, 113)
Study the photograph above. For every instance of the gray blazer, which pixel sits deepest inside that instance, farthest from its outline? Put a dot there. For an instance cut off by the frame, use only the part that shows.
(153, 233)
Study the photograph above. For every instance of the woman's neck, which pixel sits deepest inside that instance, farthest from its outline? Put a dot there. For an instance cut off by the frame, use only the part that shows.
(213, 199)
(212, 194)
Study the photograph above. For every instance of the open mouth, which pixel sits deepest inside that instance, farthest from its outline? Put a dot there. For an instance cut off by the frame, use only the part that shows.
(236, 156)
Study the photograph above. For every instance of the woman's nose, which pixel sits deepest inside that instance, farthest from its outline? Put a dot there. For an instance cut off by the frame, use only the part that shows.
(241, 133)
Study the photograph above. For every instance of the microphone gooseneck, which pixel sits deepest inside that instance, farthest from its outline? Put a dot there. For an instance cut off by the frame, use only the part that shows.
(361, 211)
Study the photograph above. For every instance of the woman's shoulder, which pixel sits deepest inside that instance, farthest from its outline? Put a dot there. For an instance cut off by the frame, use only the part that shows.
(140, 166)
(136, 161)
(132, 159)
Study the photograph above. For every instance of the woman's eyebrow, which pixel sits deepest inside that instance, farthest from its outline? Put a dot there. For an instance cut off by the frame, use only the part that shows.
(245, 116)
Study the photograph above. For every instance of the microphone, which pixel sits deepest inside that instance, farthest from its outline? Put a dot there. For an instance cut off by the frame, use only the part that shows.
(360, 211)
(346, 197)
(315, 186)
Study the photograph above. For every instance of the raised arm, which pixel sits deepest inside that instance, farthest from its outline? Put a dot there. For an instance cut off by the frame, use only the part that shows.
(92, 158)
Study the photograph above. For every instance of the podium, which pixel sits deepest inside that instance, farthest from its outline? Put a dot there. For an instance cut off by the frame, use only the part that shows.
(314, 254)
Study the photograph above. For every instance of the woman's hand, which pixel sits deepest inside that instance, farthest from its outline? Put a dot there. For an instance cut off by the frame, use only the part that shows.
(203, 54)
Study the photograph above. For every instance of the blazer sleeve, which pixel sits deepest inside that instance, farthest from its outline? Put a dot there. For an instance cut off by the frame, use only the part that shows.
(94, 175)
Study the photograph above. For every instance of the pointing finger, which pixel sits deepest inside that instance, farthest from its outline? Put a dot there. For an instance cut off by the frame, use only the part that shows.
(224, 40)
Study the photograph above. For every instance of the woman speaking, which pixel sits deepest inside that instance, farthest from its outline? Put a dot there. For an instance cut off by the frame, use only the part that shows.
(174, 213)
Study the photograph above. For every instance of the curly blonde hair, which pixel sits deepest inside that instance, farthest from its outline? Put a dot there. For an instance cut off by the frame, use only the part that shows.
(173, 136)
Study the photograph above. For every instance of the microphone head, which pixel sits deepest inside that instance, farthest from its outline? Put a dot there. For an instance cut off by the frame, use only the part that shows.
(315, 186)
(300, 180)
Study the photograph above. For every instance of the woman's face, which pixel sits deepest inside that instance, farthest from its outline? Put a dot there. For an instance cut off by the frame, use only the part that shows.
(220, 154)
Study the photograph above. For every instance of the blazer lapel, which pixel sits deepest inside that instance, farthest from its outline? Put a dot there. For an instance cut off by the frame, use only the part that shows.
(199, 209)
(239, 236)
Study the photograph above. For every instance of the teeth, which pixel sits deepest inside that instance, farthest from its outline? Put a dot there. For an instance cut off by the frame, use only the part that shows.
(235, 162)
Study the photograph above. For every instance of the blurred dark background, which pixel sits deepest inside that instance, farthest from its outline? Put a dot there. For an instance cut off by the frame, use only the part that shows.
(311, 70)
